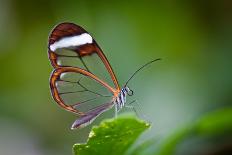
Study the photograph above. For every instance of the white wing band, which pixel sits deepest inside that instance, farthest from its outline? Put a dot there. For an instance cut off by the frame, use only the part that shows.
(79, 40)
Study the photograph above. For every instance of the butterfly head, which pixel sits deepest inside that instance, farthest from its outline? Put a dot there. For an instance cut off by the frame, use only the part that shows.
(127, 91)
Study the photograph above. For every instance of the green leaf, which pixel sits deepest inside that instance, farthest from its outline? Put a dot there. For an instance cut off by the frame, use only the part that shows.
(213, 124)
(218, 122)
(112, 137)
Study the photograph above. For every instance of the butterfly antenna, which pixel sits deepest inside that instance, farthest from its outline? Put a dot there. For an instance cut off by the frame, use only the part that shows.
(142, 67)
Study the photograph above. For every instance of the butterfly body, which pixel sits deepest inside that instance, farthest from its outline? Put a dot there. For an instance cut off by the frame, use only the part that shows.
(121, 98)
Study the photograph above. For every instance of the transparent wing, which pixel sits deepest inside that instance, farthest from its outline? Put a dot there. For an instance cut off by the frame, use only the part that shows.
(78, 90)
(91, 115)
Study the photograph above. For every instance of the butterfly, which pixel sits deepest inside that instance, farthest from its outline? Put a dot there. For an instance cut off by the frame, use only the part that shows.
(81, 70)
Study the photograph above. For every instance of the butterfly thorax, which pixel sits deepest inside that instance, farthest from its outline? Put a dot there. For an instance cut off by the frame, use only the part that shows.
(121, 98)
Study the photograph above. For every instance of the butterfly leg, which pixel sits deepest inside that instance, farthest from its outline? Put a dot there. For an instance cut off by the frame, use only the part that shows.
(116, 111)
(138, 113)
(132, 107)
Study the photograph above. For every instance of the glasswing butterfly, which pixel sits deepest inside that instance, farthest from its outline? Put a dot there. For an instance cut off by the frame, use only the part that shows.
(83, 81)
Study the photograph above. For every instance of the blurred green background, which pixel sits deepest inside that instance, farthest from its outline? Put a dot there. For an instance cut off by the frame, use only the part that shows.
(194, 39)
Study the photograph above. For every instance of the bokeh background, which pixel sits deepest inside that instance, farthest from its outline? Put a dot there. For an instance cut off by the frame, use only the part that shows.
(193, 38)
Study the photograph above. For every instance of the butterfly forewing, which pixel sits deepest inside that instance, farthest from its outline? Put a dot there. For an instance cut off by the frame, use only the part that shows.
(71, 45)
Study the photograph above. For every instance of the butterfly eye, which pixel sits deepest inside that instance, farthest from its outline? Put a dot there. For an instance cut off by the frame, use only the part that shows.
(130, 92)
